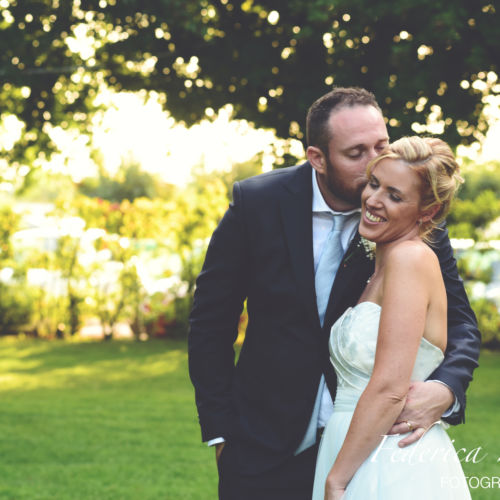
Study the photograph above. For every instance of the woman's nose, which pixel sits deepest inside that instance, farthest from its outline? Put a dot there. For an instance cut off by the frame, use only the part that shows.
(373, 199)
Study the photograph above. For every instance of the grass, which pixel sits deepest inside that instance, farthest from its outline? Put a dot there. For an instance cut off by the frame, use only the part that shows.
(116, 420)
(112, 420)
(479, 439)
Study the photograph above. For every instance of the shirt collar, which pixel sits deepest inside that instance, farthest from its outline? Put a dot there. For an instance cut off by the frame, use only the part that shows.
(319, 204)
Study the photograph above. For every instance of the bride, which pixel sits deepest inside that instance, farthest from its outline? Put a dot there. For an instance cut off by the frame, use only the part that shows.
(395, 334)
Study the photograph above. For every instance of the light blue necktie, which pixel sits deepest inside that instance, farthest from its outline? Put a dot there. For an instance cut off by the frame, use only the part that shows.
(326, 270)
(328, 264)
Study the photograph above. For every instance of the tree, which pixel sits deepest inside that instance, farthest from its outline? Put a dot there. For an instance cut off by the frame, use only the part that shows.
(44, 83)
(273, 62)
(270, 59)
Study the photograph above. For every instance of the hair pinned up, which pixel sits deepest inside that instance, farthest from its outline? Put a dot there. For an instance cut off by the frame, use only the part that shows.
(433, 160)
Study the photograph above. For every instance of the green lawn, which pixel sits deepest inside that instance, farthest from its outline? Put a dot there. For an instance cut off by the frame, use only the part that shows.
(100, 421)
(116, 420)
(479, 439)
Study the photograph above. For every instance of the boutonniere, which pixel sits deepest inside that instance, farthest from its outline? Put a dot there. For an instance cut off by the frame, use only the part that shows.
(369, 247)
(362, 245)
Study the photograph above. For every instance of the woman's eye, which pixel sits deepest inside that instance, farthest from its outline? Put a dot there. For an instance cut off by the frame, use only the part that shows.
(395, 198)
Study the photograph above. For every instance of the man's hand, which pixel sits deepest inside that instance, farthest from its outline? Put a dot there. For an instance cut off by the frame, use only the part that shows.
(218, 450)
(425, 404)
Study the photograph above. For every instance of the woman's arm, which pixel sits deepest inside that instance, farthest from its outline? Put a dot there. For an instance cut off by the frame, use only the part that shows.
(406, 295)
(429, 401)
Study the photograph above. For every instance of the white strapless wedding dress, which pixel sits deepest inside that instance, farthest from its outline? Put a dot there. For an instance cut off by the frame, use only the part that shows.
(426, 470)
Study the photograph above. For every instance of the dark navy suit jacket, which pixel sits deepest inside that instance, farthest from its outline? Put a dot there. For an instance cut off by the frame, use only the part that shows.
(262, 251)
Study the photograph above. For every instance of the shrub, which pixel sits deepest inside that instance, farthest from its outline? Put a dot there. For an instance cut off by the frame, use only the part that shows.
(476, 265)
(16, 308)
(488, 319)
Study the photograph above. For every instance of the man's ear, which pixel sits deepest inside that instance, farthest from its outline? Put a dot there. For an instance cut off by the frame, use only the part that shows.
(428, 214)
(316, 159)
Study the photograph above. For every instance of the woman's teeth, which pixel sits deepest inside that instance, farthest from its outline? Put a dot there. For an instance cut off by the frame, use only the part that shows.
(373, 218)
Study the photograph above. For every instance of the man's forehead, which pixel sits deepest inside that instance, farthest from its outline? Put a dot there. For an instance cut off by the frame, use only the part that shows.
(358, 124)
(353, 114)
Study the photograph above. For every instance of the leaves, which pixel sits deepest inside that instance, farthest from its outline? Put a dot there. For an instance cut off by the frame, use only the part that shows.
(270, 60)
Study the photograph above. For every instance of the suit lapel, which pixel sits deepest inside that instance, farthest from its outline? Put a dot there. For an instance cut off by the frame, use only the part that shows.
(354, 270)
(296, 211)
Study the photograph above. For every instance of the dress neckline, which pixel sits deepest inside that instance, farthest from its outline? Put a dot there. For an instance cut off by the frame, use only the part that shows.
(367, 302)
(422, 340)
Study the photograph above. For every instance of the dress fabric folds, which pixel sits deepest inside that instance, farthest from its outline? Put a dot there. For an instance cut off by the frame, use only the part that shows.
(428, 469)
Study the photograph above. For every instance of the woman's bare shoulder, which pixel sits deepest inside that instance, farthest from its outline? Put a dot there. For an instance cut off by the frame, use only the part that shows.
(414, 255)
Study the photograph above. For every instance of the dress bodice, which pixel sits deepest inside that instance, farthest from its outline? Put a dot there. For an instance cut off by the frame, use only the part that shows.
(353, 342)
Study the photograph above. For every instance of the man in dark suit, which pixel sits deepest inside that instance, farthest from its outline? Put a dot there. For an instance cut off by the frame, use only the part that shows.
(264, 414)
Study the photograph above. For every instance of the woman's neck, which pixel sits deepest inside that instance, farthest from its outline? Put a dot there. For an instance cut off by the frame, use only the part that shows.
(383, 248)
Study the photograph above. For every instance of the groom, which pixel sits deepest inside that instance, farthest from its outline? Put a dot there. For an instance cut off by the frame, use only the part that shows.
(265, 414)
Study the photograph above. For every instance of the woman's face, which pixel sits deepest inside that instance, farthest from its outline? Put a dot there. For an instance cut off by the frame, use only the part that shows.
(390, 203)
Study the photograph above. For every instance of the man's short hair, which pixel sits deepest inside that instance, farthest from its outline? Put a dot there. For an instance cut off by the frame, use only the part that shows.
(317, 131)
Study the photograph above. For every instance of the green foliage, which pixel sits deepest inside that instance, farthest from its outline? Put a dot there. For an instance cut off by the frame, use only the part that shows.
(270, 60)
(488, 319)
(476, 265)
(155, 310)
(130, 183)
(179, 226)
(175, 322)
(72, 272)
(477, 204)
(16, 308)
(479, 178)
(469, 217)
(49, 311)
(238, 172)
(9, 224)
(43, 186)
(243, 51)
(43, 82)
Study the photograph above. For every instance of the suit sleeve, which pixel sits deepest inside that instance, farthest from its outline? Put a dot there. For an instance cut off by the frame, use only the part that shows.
(221, 289)
(464, 339)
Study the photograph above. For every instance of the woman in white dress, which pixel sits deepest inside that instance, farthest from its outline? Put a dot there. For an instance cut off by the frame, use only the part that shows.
(395, 334)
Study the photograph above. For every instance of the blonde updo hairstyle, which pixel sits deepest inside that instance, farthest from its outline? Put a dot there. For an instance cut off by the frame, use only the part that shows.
(437, 169)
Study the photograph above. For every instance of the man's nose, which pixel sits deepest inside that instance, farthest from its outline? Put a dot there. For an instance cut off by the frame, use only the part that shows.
(372, 153)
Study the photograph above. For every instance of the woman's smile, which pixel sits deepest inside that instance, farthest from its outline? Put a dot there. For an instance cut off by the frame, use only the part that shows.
(373, 218)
